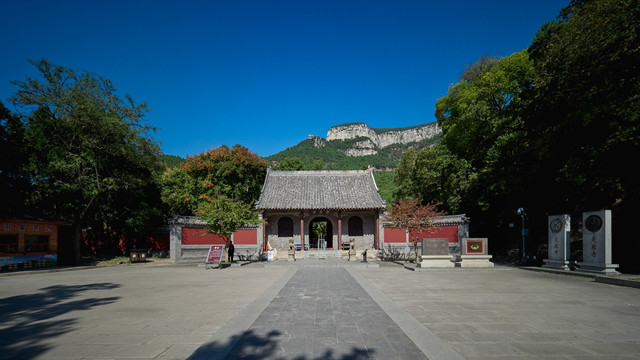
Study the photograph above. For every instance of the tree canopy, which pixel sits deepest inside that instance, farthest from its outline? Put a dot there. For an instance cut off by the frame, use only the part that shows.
(92, 161)
(14, 177)
(552, 128)
(235, 173)
(584, 122)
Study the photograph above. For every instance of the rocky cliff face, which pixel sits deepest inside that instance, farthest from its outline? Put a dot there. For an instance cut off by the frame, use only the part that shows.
(380, 138)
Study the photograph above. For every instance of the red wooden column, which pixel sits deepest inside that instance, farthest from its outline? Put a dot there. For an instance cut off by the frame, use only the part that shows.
(302, 231)
(339, 230)
(264, 236)
(377, 231)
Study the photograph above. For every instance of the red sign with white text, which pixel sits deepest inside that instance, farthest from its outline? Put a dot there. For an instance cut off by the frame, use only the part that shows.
(215, 253)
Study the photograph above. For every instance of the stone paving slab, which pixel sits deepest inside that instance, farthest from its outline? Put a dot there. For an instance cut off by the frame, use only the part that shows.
(518, 314)
(139, 311)
(171, 312)
(324, 313)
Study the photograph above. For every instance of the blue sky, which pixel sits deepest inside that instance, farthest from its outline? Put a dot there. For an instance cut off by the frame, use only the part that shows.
(265, 74)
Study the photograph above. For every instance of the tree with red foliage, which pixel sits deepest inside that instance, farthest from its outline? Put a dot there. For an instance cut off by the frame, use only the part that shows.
(235, 173)
(415, 217)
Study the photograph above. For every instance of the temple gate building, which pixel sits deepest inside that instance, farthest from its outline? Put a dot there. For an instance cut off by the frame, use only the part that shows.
(347, 201)
(291, 202)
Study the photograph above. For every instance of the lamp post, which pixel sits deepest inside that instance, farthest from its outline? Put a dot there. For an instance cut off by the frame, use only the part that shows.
(522, 212)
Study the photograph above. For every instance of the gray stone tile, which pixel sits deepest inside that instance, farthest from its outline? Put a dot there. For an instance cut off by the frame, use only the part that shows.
(336, 319)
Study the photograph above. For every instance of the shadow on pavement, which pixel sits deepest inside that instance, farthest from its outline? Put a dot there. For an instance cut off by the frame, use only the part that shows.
(26, 320)
(251, 345)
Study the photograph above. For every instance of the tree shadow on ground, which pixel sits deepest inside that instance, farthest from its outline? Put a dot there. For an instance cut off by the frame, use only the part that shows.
(28, 325)
(272, 345)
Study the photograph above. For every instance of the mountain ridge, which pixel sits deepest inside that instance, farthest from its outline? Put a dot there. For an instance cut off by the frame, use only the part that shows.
(357, 145)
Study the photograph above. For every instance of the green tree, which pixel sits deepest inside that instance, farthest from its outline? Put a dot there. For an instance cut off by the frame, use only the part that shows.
(224, 215)
(482, 124)
(93, 162)
(291, 164)
(441, 177)
(584, 122)
(385, 180)
(14, 179)
(405, 187)
(172, 161)
(179, 192)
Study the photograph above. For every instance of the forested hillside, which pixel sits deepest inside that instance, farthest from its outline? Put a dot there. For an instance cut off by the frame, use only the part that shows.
(331, 156)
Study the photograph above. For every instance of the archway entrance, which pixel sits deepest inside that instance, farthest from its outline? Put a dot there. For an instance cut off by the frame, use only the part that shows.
(313, 236)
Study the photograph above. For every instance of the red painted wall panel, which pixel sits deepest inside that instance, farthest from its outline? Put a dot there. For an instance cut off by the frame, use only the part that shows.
(245, 237)
(192, 236)
(158, 241)
(394, 235)
(449, 232)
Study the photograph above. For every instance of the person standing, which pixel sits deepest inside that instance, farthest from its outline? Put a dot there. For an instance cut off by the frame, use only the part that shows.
(231, 250)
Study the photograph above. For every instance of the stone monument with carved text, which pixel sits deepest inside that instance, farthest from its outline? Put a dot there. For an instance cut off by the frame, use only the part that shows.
(559, 240)
(435, 253)
(596, 243)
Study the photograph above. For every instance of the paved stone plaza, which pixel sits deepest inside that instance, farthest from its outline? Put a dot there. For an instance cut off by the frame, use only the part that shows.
(314, 309)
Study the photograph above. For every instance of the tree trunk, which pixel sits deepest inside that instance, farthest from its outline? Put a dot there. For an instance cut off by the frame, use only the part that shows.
(77, 238)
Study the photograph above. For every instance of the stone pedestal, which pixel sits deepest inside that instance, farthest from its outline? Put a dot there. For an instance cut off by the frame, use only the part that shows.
(292, 251)
(436, 261)
(474, 253)
(352, 251)
(596, 243)
(559, 238)
(475, 261)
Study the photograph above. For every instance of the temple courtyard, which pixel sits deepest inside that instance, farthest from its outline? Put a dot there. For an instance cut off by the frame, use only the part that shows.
(314, 309)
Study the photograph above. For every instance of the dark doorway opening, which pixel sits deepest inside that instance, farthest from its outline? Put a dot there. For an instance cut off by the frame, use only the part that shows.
(313, 237)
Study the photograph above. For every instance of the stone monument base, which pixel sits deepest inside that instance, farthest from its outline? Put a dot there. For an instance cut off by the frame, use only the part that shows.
(436, 261)
(475, 261)
(606, 269)
(556, 264)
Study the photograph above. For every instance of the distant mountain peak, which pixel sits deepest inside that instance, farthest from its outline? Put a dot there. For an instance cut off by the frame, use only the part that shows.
(354, 145)
(381, 138)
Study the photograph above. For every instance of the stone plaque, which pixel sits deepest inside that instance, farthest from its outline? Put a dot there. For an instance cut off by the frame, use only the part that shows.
(437, 246)
(474, 246)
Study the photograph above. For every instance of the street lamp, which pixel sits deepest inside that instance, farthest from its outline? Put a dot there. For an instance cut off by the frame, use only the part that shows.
(522, 212)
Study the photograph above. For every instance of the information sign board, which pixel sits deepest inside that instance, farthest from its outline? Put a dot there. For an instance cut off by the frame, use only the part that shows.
(215, 254)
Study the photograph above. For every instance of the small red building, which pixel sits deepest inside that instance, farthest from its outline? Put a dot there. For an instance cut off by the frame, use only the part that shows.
(26, 244)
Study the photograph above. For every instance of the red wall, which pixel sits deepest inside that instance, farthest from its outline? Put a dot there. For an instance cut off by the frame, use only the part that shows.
(396, 235)
(449, 232)
(158, 241)
(245, 237)
(193, 236)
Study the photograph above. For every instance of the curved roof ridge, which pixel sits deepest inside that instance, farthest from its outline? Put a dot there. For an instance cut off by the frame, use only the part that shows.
(320, 189)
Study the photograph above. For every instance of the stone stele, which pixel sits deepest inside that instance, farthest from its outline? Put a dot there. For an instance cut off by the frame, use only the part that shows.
(435, 253)
(474, 253)
(596, 243)
(559, 238)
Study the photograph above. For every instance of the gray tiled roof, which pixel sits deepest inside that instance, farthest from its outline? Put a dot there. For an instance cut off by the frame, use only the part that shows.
(310, 190)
